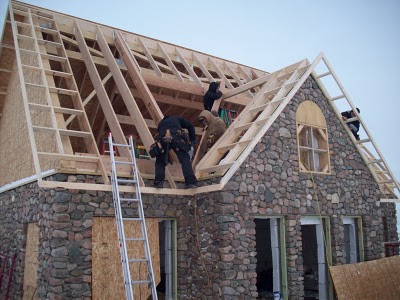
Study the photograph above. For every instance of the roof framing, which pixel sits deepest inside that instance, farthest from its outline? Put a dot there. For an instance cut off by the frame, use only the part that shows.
(134, 80)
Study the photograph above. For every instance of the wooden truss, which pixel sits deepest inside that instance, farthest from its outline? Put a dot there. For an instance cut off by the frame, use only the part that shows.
(90, 79)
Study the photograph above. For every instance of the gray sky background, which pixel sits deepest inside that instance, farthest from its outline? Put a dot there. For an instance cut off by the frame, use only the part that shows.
(360, 39)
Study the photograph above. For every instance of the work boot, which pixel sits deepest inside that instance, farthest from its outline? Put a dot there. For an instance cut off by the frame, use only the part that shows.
(159, 184)
(190, 186)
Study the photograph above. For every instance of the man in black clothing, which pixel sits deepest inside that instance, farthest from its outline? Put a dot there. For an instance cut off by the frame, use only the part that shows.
(211, 95)
(354, 125)
(172, 136)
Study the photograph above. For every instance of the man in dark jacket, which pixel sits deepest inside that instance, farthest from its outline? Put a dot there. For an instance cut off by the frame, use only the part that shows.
(211, 95)
(354, 125)
(172, 136)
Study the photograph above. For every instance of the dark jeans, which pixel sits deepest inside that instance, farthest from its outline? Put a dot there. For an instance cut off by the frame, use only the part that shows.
(186, 164)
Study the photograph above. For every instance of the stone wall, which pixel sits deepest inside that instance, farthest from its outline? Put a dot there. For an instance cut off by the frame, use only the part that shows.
(269, 183)
(216, 233)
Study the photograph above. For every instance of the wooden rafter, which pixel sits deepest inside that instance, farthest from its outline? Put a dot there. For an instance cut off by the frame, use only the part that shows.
(104, 101)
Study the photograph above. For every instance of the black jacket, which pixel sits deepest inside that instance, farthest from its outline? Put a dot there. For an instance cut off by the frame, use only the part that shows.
(211, 95)
(174, 124)
(356, 123)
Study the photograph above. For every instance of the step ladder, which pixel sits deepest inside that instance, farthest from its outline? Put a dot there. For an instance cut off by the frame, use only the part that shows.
(50, 94)
(119, 200)
(252, 123)
(366, 146)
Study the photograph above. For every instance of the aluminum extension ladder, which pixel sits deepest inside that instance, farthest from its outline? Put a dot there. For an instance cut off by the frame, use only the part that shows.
(129, 281)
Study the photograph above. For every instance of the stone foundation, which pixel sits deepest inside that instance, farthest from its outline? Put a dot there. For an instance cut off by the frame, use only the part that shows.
(216, 246)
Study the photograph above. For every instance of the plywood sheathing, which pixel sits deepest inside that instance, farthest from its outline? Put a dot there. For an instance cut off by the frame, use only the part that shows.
(377, 279)
(106, 262)
(15, 151)
(31, 262)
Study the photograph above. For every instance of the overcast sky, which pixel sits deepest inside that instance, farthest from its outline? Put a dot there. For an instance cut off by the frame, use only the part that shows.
(360, 39)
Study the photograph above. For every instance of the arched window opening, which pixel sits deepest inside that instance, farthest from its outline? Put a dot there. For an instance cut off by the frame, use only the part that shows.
(312, 139)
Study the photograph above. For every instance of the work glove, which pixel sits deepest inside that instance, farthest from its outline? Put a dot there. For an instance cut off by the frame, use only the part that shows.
(191, 153)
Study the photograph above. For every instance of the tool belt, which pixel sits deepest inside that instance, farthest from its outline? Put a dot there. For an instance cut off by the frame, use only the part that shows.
(178, 140)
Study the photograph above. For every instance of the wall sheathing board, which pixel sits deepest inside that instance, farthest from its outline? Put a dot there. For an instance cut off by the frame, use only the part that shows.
(377, 279)
(16, 159)
(107, 279)
(31, 262)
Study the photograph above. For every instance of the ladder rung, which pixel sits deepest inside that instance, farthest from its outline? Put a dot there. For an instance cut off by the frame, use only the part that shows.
(134, 239)
(46, 30)
(70, 157)
(374, 161)
(351, 120)
(216, 168)
(324, 74)
(68, 111)
(28, 51)
(337, 98)
(121, 145)
(137, 260)
(42, 17)
(22, 24)
(141, 281)
(20, 12)
(129, 199)
(386, 181)
(132, 219)
(127, 180)
(363, 141)
(233, 145)
(44, 129)
(248, 125)
(123, 162)
(32, 67)
(83, 134)
(53, 57)
(56, 109)
(44, 42)
(57, 73)
(62, 91)
(33, 85)
(25, 37)
(262, 107)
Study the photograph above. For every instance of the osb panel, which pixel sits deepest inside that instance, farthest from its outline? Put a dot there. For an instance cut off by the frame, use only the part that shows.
(107, 277)
(372, 280)
(31, 262)
(15, 152)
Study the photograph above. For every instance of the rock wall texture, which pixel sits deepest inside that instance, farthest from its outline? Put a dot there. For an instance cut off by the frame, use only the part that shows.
(216, 246)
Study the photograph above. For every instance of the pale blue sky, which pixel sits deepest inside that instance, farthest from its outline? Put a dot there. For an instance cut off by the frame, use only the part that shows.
(361, 39)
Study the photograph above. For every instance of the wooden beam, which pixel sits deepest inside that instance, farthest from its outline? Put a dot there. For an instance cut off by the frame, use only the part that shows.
(88, 98)
(147, 96)
(136, 77)
(172, 84)
(188, 68)
(203, 68)
(176, 101)
(169, 62)
(73, 42)
(220, 74)
(150, 58)
(105, 103)
(150, 123)
(246, 87)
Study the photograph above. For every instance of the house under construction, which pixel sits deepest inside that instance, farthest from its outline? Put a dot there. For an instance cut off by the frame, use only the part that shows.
(284, 194)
